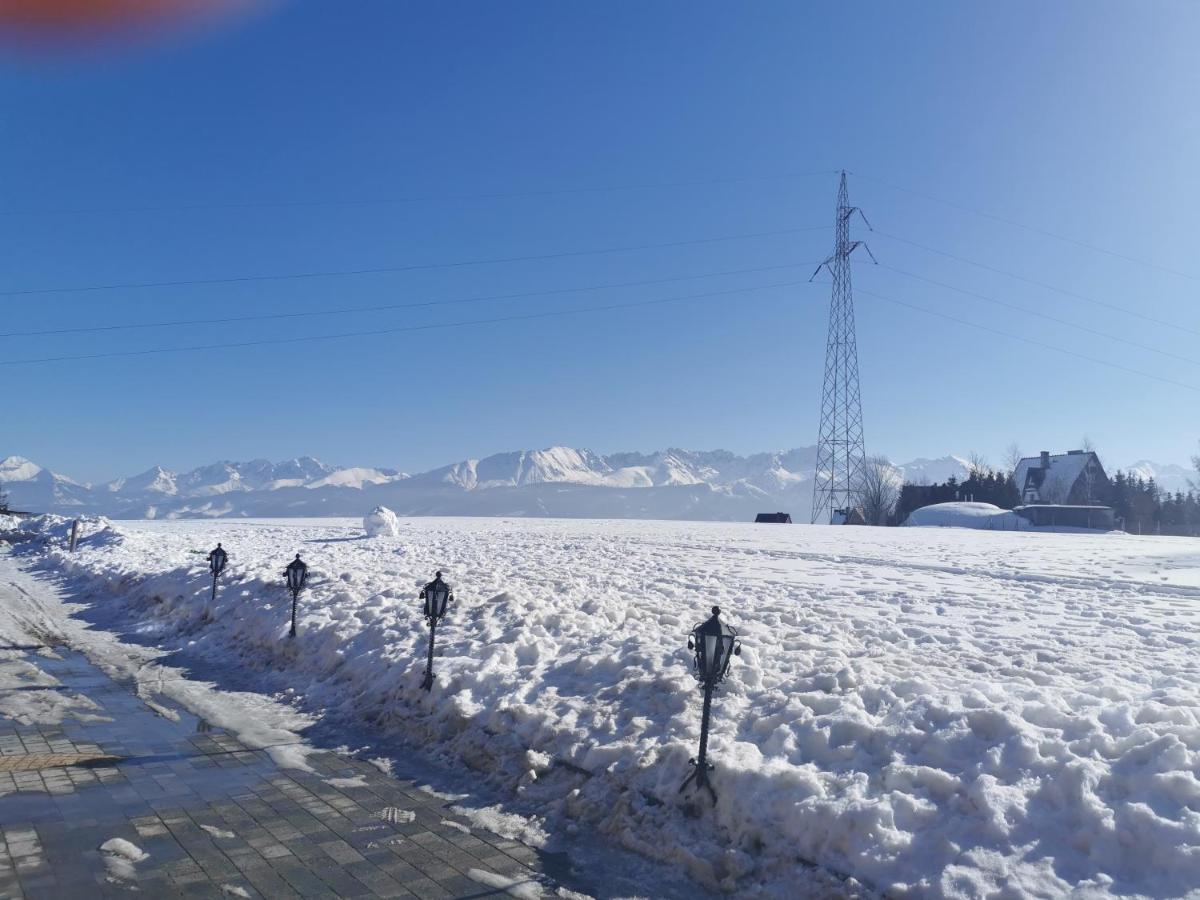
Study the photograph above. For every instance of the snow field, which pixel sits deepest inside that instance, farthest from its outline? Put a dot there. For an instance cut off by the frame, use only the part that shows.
(941, 713)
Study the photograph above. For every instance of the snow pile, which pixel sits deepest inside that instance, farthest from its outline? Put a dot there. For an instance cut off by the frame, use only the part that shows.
(121, 857)
(381, 522)
(967, 515)
(55, 530)
(937, 713)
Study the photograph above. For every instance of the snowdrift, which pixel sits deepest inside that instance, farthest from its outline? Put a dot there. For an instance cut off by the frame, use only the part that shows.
(937, 713)
(967, 515)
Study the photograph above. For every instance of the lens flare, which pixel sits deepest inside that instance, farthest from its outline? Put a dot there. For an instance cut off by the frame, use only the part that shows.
(34, 24)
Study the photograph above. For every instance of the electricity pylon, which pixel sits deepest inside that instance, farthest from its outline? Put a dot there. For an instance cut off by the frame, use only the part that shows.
(841, 455)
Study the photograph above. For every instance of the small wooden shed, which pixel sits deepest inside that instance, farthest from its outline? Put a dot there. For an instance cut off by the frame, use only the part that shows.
(776, 517)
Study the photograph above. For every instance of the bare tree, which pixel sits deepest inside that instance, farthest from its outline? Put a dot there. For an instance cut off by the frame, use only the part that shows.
(1196, 464)
(1012, 457)
(978, 463)
(878, 489)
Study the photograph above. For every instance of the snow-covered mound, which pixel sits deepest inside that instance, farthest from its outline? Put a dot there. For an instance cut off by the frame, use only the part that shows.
(938, 713)
(961, 514)
(381, 522)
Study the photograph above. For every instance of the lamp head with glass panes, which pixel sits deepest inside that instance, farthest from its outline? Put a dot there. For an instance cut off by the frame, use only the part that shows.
(437, 595)
(714, 644)
(216, 560)
(296, 574)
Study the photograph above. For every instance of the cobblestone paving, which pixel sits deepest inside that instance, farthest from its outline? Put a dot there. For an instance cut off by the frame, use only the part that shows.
(206, 817)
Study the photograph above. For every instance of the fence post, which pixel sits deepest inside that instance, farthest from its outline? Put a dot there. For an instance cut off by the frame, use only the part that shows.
(74, 534)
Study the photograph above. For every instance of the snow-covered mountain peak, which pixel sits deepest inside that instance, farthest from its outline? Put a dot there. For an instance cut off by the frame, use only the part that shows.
(935, 471)
(156, 480)
(1169, 477)
(18, 468)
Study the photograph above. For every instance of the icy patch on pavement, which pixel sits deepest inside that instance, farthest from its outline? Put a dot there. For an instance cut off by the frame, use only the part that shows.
(395, 816)
(218, 832)
(256, 721)
(507, 825)
(383, 764)
(523, 889)
(121, 857)
(32, 697)
(937, 712)
(356, 781)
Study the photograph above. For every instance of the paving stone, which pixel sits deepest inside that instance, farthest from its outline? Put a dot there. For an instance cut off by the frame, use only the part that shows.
(289, 834)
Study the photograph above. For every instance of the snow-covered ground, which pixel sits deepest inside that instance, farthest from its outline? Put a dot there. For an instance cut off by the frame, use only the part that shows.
(935, 712)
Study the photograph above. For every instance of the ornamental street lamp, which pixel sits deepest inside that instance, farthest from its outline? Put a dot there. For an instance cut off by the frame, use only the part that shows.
(216, 564)
(715, 644)
(296, 574)
(437, 595)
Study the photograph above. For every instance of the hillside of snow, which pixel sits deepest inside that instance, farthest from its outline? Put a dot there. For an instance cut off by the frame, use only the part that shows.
(933, 712)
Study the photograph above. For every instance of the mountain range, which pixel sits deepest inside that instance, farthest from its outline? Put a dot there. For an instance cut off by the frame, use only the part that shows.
(558, 481)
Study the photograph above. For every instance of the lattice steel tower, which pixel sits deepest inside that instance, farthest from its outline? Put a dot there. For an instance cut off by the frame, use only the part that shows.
(840, 450)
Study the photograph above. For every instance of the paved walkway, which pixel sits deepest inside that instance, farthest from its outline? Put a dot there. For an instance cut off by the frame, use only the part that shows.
(118, 798)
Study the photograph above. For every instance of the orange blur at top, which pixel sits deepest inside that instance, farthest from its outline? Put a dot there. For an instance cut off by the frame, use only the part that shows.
(54, 21)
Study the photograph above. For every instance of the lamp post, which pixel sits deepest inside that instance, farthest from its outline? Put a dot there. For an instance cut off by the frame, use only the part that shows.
(216, 564)
(296, 574)
(437, 595)
(715, 644)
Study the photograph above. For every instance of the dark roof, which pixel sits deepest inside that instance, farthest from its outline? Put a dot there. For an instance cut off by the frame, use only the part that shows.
(780, 517)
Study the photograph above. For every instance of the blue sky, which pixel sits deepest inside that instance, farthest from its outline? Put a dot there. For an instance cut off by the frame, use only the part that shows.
(214, 155)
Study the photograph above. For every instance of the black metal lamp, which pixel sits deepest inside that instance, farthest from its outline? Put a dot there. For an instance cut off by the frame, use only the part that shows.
(437, 596)
(216, 564)
(714, 644)
(296, 574)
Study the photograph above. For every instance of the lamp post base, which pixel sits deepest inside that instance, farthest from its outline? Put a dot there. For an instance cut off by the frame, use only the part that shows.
(427, 682)
(702, 766)
(699, 778)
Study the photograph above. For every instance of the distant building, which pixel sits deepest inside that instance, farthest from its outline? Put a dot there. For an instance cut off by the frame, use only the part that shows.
(853, 516)
(1074, 478)
(1056, 515)
(780, 518)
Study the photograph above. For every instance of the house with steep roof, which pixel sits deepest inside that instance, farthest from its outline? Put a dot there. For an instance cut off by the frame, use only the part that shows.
(1073, 478)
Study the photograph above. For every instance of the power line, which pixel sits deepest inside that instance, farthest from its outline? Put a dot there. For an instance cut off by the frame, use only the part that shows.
(427, 198)
(128, 326)
(1040, 284)
(1029, 340)
(397, 330)
(1030, 228)
(286, 276)
(1041, 315)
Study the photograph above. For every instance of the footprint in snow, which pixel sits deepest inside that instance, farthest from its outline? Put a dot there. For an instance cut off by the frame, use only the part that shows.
(396, 816)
